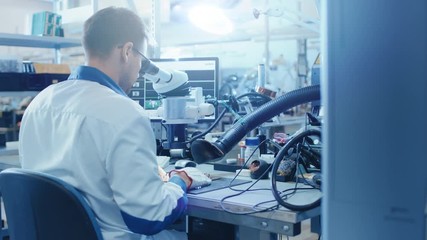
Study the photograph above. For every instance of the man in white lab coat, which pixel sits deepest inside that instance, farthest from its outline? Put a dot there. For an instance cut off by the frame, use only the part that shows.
(89, 133)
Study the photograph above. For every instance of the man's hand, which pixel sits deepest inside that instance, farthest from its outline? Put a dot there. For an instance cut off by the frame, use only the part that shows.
(196, 178)
(183, 176)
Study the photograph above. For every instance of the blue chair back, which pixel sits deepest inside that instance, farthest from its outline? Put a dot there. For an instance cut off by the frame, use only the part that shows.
(42, 207)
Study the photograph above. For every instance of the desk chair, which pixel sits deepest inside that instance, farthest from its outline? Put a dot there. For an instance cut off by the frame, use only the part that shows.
(42, 207)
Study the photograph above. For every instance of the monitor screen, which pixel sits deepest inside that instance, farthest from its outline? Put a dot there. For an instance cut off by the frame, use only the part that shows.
(202, 72)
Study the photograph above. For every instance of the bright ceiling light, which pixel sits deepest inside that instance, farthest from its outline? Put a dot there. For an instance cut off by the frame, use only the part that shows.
(210, 19)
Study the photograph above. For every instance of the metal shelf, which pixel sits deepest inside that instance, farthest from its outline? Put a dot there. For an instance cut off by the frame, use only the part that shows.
(19, 40)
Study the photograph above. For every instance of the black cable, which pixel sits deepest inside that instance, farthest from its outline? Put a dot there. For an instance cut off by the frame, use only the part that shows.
(242, 213)
(244, 164)
(301, 173)
(254, 99)
(240, 192)
(282, 153)
(299, 146)
(294, 190)
(210, 127)
(255, 94)
(274, 207)
(248, 189)
(275, 144)
(265, 202)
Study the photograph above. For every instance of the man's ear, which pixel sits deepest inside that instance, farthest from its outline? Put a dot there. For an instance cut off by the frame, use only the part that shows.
(126, 51)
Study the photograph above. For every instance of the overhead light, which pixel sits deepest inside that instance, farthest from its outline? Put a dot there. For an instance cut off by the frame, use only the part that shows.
(210, 19)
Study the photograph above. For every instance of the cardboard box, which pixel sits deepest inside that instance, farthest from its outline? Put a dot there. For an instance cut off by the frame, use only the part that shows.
(51, 68)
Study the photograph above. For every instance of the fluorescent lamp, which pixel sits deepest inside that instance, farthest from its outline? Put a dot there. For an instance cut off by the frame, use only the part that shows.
(210, 19)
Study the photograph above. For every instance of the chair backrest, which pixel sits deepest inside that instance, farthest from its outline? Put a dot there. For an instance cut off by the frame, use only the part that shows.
(41, 207)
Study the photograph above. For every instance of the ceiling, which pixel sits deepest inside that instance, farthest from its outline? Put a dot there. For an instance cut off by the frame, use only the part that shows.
(282, 18)
(286, 19)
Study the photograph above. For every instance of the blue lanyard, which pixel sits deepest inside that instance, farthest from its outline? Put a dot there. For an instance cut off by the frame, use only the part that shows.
(94, 75)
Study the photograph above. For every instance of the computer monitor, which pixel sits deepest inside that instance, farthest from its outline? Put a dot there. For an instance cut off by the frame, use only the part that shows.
(202, 72)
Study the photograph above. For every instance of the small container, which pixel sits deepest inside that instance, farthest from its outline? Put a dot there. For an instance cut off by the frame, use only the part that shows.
(252, 144)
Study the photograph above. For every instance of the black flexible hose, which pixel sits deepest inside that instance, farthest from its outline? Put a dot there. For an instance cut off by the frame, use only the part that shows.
(203, 151)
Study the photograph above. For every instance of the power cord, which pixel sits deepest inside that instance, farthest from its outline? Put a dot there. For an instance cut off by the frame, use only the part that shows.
(249, 189)
(257, 207)
(245, 164)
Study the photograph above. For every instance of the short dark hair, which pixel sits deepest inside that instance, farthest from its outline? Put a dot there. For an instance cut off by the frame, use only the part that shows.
(110, 27)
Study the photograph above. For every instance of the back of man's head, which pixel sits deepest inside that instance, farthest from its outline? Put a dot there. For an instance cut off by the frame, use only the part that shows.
(111, 27)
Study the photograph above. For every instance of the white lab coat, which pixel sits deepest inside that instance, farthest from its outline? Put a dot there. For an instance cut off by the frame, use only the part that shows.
(101, 143)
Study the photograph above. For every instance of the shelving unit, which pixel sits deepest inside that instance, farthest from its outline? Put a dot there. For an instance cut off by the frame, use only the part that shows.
(20, 40)
(56, 43)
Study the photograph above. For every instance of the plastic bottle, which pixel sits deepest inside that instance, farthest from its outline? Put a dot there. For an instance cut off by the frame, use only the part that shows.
(251, 144)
